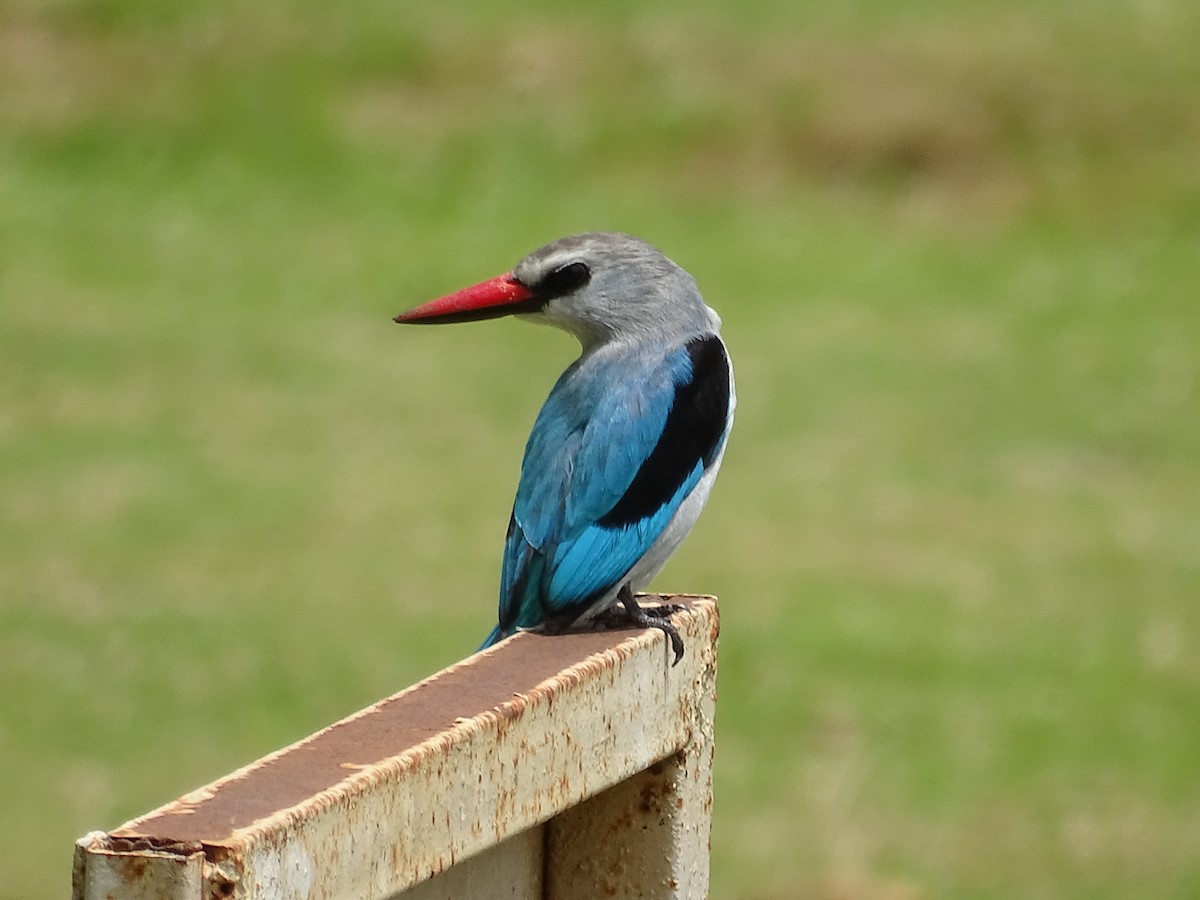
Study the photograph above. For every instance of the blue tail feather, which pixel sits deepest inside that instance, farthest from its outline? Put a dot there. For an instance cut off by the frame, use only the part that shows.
(492, 638)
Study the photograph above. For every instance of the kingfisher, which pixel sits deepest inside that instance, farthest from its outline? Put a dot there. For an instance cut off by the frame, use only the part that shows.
(625, 449)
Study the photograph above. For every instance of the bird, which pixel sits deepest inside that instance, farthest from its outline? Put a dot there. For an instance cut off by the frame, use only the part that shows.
(624, 452)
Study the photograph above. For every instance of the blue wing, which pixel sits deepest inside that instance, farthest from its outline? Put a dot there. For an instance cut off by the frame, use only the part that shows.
(615, 450)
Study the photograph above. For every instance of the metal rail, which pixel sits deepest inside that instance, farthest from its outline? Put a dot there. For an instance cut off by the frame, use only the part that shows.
(559, 768)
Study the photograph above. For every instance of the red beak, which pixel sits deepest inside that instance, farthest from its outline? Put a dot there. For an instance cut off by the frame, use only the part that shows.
(499, 296)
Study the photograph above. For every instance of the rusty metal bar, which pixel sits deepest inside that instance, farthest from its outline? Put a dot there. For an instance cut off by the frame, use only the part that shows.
(457, 777)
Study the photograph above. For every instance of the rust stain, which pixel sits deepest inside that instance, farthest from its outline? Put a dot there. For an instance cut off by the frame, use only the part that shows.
(151, 844)
(135, 868)
(487, 693)
(221, 885)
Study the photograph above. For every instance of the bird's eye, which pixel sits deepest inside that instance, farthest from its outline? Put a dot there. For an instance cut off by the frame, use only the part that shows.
(563, 280)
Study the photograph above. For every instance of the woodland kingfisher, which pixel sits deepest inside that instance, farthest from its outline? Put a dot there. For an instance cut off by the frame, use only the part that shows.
(626, 448)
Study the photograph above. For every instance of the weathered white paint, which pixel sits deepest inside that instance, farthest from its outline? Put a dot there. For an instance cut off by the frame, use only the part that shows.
(511, 870)
(595, 734)
(114, 870)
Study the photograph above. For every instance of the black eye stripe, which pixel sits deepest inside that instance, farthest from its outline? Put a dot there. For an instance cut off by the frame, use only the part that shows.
(563, 280)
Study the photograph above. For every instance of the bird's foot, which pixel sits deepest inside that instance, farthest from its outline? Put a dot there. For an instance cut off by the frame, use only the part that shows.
(628, 613)
(662, 610)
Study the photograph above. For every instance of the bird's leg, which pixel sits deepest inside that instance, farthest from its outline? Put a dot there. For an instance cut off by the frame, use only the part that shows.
(629, 613)
(662, 610)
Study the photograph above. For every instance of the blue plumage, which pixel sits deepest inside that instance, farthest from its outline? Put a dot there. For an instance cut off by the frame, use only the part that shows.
(600, 425)
(625, 449)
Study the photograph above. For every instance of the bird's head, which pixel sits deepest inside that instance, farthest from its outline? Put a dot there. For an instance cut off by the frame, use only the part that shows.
(600, 286)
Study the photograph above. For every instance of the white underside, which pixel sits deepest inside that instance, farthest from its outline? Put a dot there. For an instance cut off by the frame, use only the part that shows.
(677, 529)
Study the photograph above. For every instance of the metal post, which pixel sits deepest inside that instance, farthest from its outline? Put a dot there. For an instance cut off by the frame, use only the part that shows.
(445, 789)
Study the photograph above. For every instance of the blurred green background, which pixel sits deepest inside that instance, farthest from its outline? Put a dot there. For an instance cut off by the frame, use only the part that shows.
(956, 247)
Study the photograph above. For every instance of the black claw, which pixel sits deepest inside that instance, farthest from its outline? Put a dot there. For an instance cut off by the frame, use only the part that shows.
(650, 617)
(676, 641)
(663, 610)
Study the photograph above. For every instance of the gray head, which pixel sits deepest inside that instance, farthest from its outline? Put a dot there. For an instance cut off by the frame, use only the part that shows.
(603, 286)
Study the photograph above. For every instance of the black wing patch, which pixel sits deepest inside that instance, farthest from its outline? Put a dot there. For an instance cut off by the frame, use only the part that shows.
(692, 434)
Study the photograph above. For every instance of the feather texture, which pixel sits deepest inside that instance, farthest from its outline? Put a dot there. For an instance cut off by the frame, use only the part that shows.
(626, 448)
(623, 438)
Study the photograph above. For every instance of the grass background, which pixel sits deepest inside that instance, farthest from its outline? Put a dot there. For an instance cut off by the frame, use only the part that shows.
(957, 537)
